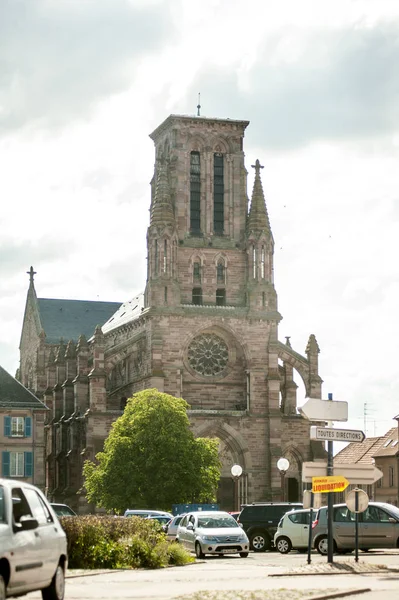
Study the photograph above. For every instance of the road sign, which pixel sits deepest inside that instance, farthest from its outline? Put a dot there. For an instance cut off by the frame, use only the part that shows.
(362, 500)
(324, 410)
(330, 483)
(355, 473)
(336, 435)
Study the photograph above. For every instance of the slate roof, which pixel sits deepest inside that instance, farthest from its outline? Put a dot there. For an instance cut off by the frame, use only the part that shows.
(128, 311)
(389, 444)
(14, 395)
(355, 452)
(68, 319)
(371, 447)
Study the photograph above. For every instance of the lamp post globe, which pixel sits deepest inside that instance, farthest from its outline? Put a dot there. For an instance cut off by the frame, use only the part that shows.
(236, 470)
(283, 465)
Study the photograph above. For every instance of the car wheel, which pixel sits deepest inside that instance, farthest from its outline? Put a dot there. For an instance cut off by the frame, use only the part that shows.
(259, 542)
(284, 545)
(2, 588)
(56, 589)
(244, 554)
(198, 551)
(322, 545)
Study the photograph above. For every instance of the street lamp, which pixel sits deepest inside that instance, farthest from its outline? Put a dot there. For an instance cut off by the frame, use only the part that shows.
(283, 465)
(236, 472)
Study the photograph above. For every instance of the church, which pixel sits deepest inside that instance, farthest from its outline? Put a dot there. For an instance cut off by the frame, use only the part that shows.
(205, 329)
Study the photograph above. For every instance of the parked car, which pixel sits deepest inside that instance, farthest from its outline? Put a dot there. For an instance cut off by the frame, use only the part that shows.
(234, 513)
(378, 528)
(63, 510)
(171, 528)
(161, 519)
(213, 532)
(33, 546)
(133, 512)
(293, 531)
(260, 519)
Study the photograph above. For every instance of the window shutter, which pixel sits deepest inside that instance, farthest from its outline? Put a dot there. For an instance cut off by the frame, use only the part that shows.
(5, 464)
(28, 464)
(7, 426)
(28, 426)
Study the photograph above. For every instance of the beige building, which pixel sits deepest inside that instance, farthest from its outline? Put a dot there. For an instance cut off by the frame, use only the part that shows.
(383, 453)
(22, 418)
(205, 328)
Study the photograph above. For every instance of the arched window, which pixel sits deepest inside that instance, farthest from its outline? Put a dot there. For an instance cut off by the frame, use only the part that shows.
(165, 255)
(156, 258)
(195, 193)
(197, 272)
(254, 262)
(197, 295)
(220, 272)
(262, 263)
(221, 297)
(218, 193)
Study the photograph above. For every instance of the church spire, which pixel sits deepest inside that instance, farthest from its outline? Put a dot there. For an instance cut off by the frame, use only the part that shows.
(31, 274)
(162, 209)
(258, 219)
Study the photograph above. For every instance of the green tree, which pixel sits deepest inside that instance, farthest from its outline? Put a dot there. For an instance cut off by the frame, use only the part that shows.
(151, 458)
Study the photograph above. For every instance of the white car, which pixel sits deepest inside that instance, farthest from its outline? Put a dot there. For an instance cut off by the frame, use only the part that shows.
(212, 532)
(293, 531)
(33, 545)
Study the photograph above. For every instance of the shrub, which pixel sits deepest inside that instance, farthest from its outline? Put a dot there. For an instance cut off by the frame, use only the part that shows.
(96, 542)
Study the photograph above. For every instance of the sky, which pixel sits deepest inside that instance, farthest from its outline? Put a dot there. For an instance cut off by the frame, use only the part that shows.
(84, 82)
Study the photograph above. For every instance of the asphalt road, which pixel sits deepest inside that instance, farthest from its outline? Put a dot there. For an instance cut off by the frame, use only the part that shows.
(263, 576)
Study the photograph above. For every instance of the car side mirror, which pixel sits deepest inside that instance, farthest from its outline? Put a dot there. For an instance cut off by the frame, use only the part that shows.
(190, 526)
(392, 520)
(26, 524)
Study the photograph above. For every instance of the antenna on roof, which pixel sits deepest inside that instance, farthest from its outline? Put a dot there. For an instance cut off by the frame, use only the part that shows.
(199, 105)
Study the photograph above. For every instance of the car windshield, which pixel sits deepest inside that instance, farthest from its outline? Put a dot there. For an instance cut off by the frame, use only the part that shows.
(2, 506)
(216, 522)
(63, 511)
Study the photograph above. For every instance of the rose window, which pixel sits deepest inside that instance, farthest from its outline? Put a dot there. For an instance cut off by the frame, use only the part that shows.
(208, 354)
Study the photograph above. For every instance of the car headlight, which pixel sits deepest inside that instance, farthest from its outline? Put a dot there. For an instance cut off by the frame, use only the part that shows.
(243, 538)
(209, 538)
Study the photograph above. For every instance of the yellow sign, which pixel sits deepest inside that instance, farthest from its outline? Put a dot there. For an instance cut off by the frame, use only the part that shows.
(330, 483)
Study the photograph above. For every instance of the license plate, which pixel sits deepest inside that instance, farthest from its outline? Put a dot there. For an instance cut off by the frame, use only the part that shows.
(228, 551)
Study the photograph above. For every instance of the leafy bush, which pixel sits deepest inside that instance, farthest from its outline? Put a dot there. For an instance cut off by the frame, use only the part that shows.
(103, 542)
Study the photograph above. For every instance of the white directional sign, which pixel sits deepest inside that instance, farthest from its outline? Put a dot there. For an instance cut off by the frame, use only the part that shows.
(336, 435)
(324, 410)
(355, 473)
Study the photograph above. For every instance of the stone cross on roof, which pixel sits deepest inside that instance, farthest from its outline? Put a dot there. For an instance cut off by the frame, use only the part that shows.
(31, 274)
(257, 166)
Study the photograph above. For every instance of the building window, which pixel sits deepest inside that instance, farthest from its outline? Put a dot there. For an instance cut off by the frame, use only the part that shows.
(17, 426)
(218, 193)
(254, 262)
(262, 263)
(165, 255)
(221, 297)
(17, 464)
(197, 296)
(391, 476)
(156, 258)
(195, 193)
(165, 295)
(263, 299)
(220, 272)
(379, 482)
(197, 272)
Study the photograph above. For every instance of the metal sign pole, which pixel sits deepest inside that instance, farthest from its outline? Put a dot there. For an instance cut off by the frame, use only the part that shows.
(310, 527)
(356, 526)
(330, 504)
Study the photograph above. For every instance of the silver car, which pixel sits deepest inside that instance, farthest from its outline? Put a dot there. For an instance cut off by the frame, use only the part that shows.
(378, 528)
(213, 532)
(33, 546)
(171, 528)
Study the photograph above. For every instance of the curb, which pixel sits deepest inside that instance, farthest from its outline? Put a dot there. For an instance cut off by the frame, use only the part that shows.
(339, 594)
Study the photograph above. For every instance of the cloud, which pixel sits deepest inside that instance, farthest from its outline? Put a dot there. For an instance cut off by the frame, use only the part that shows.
(304, 86)
(58, 59)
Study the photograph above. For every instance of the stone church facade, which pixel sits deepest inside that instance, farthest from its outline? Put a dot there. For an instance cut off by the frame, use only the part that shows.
(205, 329)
